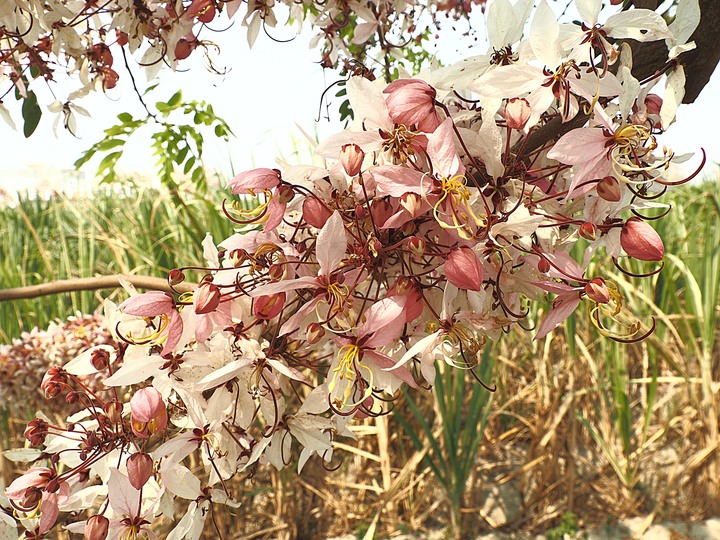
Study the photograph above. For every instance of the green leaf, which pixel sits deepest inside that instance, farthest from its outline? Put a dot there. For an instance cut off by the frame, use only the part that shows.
(109, 144)
(189, 164)
(31, 113)
(125, 117)
(175, 100)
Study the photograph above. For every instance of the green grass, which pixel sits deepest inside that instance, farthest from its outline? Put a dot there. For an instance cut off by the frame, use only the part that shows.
(120, 229)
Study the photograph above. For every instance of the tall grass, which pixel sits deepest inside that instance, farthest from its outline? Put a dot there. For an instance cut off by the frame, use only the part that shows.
(122, 228)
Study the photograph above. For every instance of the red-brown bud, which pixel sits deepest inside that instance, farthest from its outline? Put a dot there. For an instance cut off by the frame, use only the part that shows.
(100, 359)
(207, 298)
(140, 469)
(113, 410)
(543, 265)
(609, 189)
(653, 104)
(588, 231)
(285, 194)
(416, 245)
(314, 332)
(175, 277)
(96, 528)
(351, 158)
(597, 291)
(639, 240)
(315, 213)
(269, 306)
(412, 202)
(464, 269)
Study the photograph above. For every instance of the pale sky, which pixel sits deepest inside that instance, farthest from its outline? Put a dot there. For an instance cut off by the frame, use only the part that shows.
(268, 94)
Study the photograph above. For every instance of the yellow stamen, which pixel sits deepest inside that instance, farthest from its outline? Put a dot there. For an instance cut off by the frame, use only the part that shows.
(349, 360)
(457, 196)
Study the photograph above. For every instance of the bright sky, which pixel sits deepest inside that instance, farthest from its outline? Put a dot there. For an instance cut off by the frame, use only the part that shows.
(267, 95)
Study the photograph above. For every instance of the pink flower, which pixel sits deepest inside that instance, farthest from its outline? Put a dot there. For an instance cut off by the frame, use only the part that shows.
(412, 102)
(157, 304)
(149, 414)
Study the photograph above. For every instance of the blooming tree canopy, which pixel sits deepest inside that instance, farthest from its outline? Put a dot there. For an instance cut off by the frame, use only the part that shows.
(430, 225)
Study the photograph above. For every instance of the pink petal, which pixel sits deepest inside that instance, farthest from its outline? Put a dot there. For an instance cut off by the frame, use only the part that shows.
(256, 179)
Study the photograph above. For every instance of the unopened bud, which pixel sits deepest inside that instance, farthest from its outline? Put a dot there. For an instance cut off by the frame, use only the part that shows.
(285, 194)
(597, 291)
(351, 158)
(207, 298)
(238, 257)
(113, 410)
(609, 189)
(175, 277)
(639, 240)
(464, 269)
(588, 231)
(360, 211)
(314, 212)
(96, 528)
(268, 306)
(140, 469)
(416, 245)
(412, 202)
(276, 271)
(543, 265)
(314, 332)
(653, 104)
(100, 359)
(517, 113)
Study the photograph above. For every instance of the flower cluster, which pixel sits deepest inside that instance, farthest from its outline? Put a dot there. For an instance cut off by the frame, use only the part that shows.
(23, 362)
(434, 222)
(39, 38)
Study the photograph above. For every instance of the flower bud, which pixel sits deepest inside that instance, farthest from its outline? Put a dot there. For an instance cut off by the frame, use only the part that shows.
(100, 359)
(175, 277)
(543, 265)
(609, 189)
(412, 202)
(639, 240)
(360, 211)
(314, 212)
(36, 431)
(268, 306)
(314, 333)
(464, 269)
(416, 245)
(588, 231)
(96, 528)
(113, 410)
(238, 257)
(412, 102)
(351, 158)
(285, 194)
(517, 113)
(653, 104)
(149, 414)
(207, 298)
(140, 469)
(597, 291)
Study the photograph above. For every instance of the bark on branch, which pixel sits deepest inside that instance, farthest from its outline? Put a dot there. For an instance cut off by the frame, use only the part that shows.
(91, 284)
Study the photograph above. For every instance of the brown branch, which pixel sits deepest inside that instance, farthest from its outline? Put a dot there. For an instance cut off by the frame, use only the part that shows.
(699, 64)
(91, 284)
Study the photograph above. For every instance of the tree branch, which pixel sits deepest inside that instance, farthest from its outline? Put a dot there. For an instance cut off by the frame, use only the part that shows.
(91, 284)
(699, 64)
